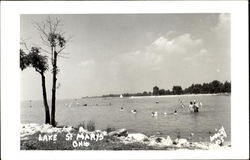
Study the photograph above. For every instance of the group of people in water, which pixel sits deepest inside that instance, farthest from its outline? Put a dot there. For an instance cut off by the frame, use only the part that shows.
(193, 107)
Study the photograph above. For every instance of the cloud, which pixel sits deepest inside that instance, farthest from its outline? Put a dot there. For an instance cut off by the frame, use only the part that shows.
(161, 53)
(223, 23)
(222, 30)
(203, 51)
(182, 44)
(163, 61)
(87, 63)
(220, 42)
(170, 33)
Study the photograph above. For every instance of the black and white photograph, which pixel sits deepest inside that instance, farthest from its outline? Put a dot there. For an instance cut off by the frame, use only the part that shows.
(126, 82)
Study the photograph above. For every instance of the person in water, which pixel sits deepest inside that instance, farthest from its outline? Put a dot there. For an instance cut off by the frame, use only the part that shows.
(134, 111)
(175, 112)
(154, 114)
(122, 109)
(191, 107)
(196, 107)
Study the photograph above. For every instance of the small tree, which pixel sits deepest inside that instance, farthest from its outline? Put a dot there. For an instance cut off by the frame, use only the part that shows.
(177, 90)
(54, 39)
(162, 92)
(24, 62)
(226, 87)
(39, 63)
(156, 91)
(216, 86)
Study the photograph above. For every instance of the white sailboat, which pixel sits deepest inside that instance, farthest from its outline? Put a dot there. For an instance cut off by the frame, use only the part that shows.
(121, 96)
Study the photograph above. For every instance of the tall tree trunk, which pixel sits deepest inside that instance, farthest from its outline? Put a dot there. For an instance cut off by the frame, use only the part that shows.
(53, 105)
(46, 106)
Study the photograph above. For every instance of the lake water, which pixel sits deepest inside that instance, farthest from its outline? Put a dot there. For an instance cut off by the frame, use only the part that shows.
(216, 112)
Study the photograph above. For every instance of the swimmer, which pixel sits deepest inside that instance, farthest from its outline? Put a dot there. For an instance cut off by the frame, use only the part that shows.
(175, 112)
(134, 111)
(191, 108)
(122, 109)
(154, 114)
(196, 107)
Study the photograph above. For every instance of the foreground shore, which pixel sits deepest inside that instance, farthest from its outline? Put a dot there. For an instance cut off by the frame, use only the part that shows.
(45, 137)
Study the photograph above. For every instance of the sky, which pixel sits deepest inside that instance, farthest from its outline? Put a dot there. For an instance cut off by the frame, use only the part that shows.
(130, 53)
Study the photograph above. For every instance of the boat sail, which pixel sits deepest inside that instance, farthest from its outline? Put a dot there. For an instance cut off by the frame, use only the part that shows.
(121, 96)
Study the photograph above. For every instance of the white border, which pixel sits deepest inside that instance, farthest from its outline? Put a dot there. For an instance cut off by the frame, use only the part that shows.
(10, 74)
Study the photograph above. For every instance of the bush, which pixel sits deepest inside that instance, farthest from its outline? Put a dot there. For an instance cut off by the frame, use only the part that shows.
(91, 126)
(82, 124)
(110, 129)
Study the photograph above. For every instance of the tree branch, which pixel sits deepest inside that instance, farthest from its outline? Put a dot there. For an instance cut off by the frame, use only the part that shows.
(44, 50)
(40, 28)
(63, 56)
(25, 45)
(60, 50)
(38, 71)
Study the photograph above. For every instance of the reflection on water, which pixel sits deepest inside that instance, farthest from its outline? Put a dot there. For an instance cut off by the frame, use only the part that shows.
(107, 112)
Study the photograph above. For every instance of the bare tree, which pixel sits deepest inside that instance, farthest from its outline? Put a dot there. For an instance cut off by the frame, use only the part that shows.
(39, 63)
(53, 38)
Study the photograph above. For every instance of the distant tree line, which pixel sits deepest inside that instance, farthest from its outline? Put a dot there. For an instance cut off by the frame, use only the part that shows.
(111, 95)
(205, 88)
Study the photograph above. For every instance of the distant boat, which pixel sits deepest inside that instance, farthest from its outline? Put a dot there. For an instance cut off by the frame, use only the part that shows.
(121, 96)
(30, 103)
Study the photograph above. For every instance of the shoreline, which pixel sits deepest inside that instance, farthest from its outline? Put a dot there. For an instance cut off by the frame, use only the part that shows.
(168, 96)
(119, 139)
(160, 96)
(181, 95)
